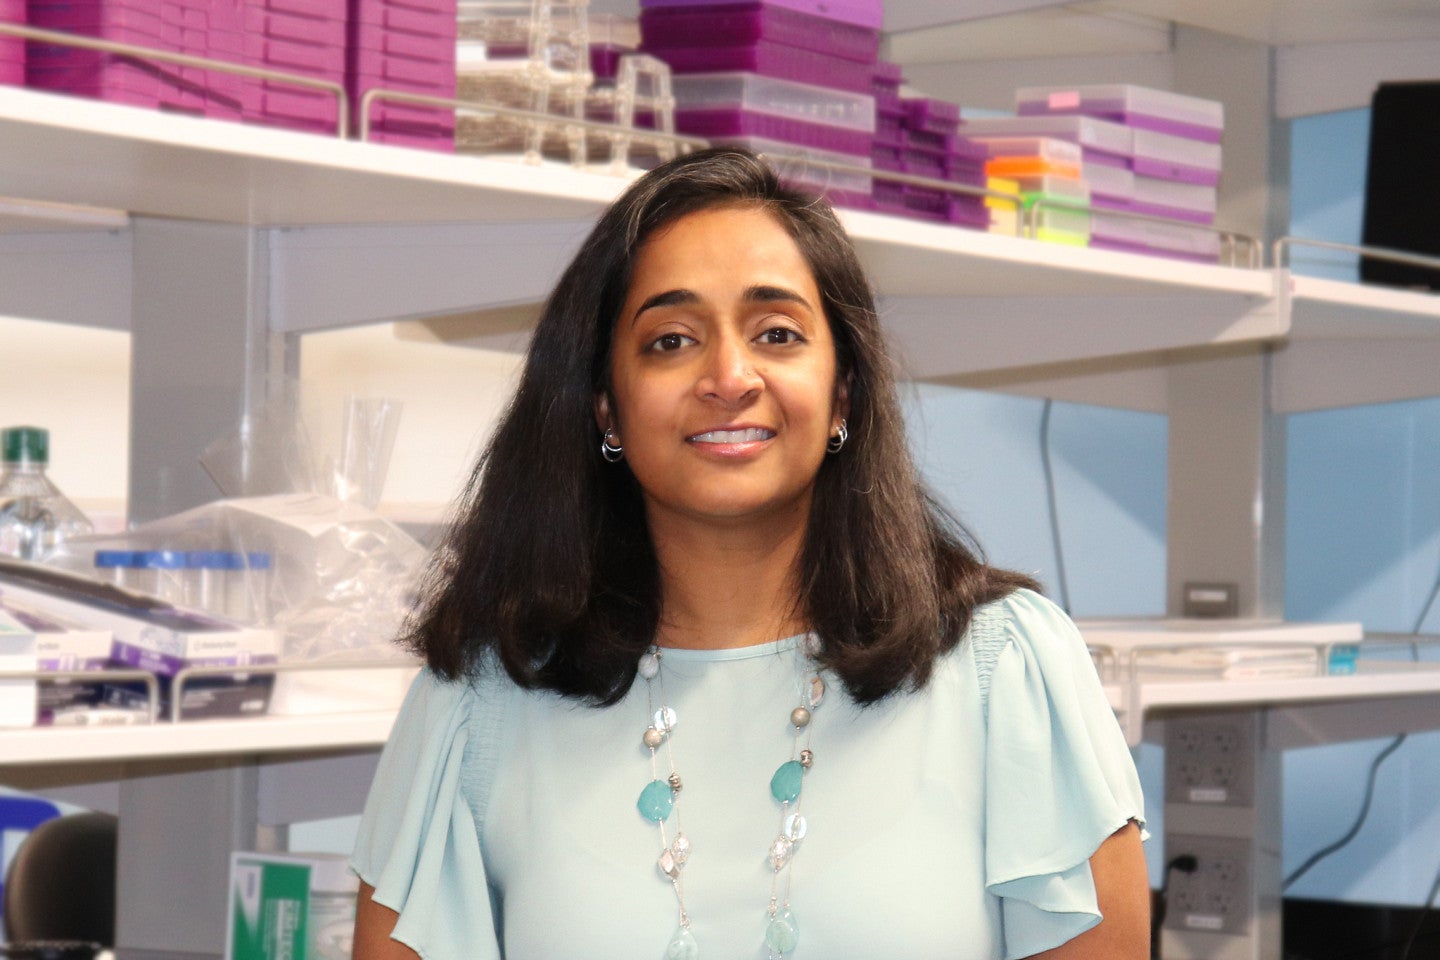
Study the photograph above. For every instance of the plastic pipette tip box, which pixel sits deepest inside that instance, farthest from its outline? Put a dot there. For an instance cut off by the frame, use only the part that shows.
(790, 160)
(862, 13)
(744, 123)
(769, 59)
(1160, 110)
(933, 116)
(1099, 137)
(781, 98)
(737, 24)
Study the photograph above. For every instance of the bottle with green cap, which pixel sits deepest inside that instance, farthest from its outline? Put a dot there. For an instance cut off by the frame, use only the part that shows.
(34, 515)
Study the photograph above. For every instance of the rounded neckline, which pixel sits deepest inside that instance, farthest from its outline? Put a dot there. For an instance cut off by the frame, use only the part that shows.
(770, 649)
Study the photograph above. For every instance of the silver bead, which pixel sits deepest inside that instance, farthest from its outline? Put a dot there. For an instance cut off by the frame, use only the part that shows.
(664, 719)
(668, 865)
(680, 848)
(800, 717)
(780, 852)
(817, 692)
(653, 738)
(806, 759)
(650, 665)
(796, 827)
(675, 782)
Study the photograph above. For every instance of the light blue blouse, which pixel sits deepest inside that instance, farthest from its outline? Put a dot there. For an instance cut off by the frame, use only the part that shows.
(954, 822)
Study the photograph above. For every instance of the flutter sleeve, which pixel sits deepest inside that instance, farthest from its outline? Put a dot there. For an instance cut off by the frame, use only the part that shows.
(1059, 778)
(418, 842)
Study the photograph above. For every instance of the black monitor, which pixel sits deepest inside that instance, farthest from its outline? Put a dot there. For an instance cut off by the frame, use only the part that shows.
(1402, 184)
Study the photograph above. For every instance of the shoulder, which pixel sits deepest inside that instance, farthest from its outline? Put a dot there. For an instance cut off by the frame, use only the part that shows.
(1023, 622)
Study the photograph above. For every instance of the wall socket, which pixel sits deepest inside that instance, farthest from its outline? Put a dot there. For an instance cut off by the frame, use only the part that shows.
(1210, 762)
(1216, 897)
(1222, 806)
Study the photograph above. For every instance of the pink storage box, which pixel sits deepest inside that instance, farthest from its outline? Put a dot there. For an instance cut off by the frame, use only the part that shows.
(734, 24)
(294, 108)
(12, 49)
(383, 68)
(747, 123)
(323, 61)
(416, 46)
(767, 59)
(108, 77)
(863, 13)
(415, 15)
(933, 116)
(96, 20)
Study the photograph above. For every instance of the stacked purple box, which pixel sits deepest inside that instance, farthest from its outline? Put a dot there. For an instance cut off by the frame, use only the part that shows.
(929, 147)
(1175, 164)
(407, 46)
(305, 37)
(105, 76)
(820, 48)
(12, 49)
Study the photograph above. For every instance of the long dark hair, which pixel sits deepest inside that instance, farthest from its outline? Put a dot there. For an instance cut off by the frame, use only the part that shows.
(549, 562)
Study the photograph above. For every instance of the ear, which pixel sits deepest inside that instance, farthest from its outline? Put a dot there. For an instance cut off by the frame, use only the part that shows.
(603, 418)
(842, 399)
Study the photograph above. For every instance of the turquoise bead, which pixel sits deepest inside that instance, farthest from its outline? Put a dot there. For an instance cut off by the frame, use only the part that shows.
(682, 946)
(656, 801)
(785, 785)
(782, 933)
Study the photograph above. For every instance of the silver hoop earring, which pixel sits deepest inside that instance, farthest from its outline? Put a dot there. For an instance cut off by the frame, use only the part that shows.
(612, 452)
(835, 443)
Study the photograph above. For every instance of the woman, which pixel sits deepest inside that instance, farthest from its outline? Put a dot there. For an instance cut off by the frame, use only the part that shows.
(695, 558)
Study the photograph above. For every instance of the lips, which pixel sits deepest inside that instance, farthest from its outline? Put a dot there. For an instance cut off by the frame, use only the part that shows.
(742, 435)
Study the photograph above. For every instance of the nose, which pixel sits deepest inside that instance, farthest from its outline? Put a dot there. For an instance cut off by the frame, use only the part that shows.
(730, 375)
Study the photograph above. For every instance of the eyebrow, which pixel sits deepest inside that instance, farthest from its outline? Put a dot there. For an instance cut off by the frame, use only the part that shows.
(760, 293)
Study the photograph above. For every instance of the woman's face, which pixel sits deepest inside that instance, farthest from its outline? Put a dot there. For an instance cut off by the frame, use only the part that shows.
(723, 375)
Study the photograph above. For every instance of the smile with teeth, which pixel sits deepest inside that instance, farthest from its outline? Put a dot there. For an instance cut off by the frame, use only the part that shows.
(748, 435)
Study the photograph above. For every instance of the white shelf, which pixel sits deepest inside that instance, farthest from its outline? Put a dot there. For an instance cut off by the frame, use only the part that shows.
(1373, 681)
(195, 738)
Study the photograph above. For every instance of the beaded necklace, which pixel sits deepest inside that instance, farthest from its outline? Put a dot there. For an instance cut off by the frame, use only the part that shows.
(659, 801)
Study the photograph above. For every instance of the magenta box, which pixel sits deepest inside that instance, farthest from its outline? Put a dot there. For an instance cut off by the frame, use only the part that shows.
(862, 13)
(418, 46)
(887, 76)
(1154, 210)
(887, 156)
(935, 116)
(382, 70)
(405, 20)
(93, 20)
(770, 60)
(292, 107)
(120, 81)
(741, 23)
(324, 61)
(1180, 172)
(745, 123)
(323, 9)
(605, 60)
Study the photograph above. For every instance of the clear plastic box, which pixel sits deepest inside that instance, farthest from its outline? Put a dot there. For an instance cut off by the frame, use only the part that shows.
(1128, 234)
(1184, 198)
(1116, 183)
(1098, 137)
(790, 161)
(1160, 110)
(1176, 158)
(781, 98)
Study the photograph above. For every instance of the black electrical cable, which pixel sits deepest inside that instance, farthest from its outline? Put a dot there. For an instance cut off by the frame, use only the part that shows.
(1388, 749)
(1061, 581)
(1428, 906)
(1324, 852)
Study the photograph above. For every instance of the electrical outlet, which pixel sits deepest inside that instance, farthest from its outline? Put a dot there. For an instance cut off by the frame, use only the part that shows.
(1216, 897)
(1208, 762)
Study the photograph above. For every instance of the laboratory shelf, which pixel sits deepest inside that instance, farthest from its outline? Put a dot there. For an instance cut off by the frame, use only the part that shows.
(1364, 692)
(195, 738)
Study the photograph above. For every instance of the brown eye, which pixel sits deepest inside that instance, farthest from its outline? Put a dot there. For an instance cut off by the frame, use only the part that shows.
(670, 341)
(780, 335)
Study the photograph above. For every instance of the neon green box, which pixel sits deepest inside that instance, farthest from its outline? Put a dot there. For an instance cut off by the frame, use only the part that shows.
(290, 907)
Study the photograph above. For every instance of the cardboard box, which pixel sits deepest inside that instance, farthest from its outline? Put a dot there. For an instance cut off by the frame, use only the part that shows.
(290, 907)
